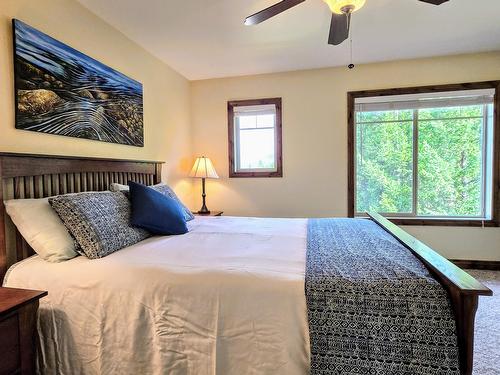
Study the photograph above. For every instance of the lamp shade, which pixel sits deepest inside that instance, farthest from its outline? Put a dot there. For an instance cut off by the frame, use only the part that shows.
(203, 168)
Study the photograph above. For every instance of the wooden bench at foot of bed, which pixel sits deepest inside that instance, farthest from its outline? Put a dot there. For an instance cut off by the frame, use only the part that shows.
(463, 289)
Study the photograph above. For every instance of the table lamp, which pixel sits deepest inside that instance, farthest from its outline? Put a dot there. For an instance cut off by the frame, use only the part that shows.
(203, 168)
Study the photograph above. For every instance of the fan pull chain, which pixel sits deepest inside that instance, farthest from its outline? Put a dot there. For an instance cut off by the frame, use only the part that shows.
(351, 65)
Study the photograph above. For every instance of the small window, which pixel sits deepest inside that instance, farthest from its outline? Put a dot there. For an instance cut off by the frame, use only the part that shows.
(255, 138)
(426, 156)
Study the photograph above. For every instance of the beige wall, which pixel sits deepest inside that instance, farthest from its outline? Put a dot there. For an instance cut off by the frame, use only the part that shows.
(314, 181)
(166, 93)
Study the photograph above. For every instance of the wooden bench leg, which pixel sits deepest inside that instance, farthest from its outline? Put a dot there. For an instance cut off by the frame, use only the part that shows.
(465, 307)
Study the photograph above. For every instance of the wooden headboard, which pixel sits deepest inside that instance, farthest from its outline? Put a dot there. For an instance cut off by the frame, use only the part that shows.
(40, 176)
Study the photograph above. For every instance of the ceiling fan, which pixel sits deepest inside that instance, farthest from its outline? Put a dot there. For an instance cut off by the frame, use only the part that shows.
(341, 15)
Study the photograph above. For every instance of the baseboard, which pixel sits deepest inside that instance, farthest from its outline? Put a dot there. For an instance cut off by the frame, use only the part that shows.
(492, 265)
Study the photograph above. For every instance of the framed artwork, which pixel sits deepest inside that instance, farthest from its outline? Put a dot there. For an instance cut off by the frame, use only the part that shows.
(64, 92)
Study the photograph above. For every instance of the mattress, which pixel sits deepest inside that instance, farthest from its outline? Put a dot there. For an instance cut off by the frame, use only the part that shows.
(225, 298)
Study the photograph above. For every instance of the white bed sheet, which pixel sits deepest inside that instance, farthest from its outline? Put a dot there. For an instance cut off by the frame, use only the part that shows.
(226, 298)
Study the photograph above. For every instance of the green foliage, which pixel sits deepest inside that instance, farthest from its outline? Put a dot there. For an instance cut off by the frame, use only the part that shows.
(450, 160)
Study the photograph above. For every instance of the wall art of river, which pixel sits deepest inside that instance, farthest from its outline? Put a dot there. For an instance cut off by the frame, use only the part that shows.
(64, 92)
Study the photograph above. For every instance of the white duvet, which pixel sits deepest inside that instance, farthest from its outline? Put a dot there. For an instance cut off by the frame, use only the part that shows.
(226, 298)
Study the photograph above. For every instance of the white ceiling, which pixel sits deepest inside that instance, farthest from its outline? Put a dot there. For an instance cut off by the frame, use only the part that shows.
(207, 39)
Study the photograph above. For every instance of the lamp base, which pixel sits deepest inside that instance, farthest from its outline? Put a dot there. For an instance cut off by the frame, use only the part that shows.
(204, 210)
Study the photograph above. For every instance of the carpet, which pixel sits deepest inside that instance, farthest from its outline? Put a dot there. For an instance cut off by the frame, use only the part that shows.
(487, 333)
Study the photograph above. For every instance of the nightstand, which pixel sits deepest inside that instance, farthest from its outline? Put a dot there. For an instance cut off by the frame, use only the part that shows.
(212, 213)
(18, 309)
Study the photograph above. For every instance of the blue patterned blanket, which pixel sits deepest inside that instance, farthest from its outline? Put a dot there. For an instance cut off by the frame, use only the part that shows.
(373, 307)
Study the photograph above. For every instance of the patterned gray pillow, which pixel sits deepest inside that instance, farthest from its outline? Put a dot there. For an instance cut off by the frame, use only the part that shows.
(162, 188)
(99, 221)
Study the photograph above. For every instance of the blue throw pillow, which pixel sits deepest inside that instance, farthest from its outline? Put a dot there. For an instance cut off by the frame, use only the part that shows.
(155, 212)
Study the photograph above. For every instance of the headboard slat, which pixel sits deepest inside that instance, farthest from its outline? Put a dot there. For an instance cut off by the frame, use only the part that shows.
(36, 189)
(39, 176)
(17, 187)
(83, 176)
(61, 189)
(97, 181)
(78, 182)
(46, 185)
(27, 187)
(90, 181)
(107, 180)
(69, 183)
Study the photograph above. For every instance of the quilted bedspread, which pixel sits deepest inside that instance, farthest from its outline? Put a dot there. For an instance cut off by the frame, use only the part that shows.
(373, 308)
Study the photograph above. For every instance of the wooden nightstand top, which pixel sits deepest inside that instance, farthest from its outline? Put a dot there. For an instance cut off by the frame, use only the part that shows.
(212, 213)
(12, 298)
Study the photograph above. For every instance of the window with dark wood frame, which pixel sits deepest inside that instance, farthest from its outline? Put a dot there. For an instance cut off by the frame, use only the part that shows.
(493, 218)
(234, 131)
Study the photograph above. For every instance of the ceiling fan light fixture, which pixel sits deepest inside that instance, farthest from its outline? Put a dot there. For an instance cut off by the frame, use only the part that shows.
(344, 6)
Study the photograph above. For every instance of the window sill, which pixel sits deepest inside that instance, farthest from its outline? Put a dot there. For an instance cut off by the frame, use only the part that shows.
(441, 222)
(256, 174)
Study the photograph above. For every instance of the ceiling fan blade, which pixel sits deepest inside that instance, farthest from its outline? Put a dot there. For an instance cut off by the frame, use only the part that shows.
(339, 29)
(272, 11)
(435, 2)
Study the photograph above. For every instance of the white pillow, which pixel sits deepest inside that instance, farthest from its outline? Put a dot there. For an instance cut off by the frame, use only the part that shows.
(116, 187)
(40, 226)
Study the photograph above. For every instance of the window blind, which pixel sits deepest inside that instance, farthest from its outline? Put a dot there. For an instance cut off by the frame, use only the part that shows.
(255, 110)
(427, 100)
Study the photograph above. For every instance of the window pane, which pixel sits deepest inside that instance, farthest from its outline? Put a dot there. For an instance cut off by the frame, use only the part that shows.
(398, 115)
(257, 149)
(384, 160)
(265, 121)
(450, 112)
(247, 122)
(450, 164)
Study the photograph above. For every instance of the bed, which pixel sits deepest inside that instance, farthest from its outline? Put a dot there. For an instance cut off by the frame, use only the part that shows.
(236, 304)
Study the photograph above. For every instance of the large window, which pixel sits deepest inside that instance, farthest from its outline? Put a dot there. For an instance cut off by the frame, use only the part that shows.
(255, 138)
(427, 156)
